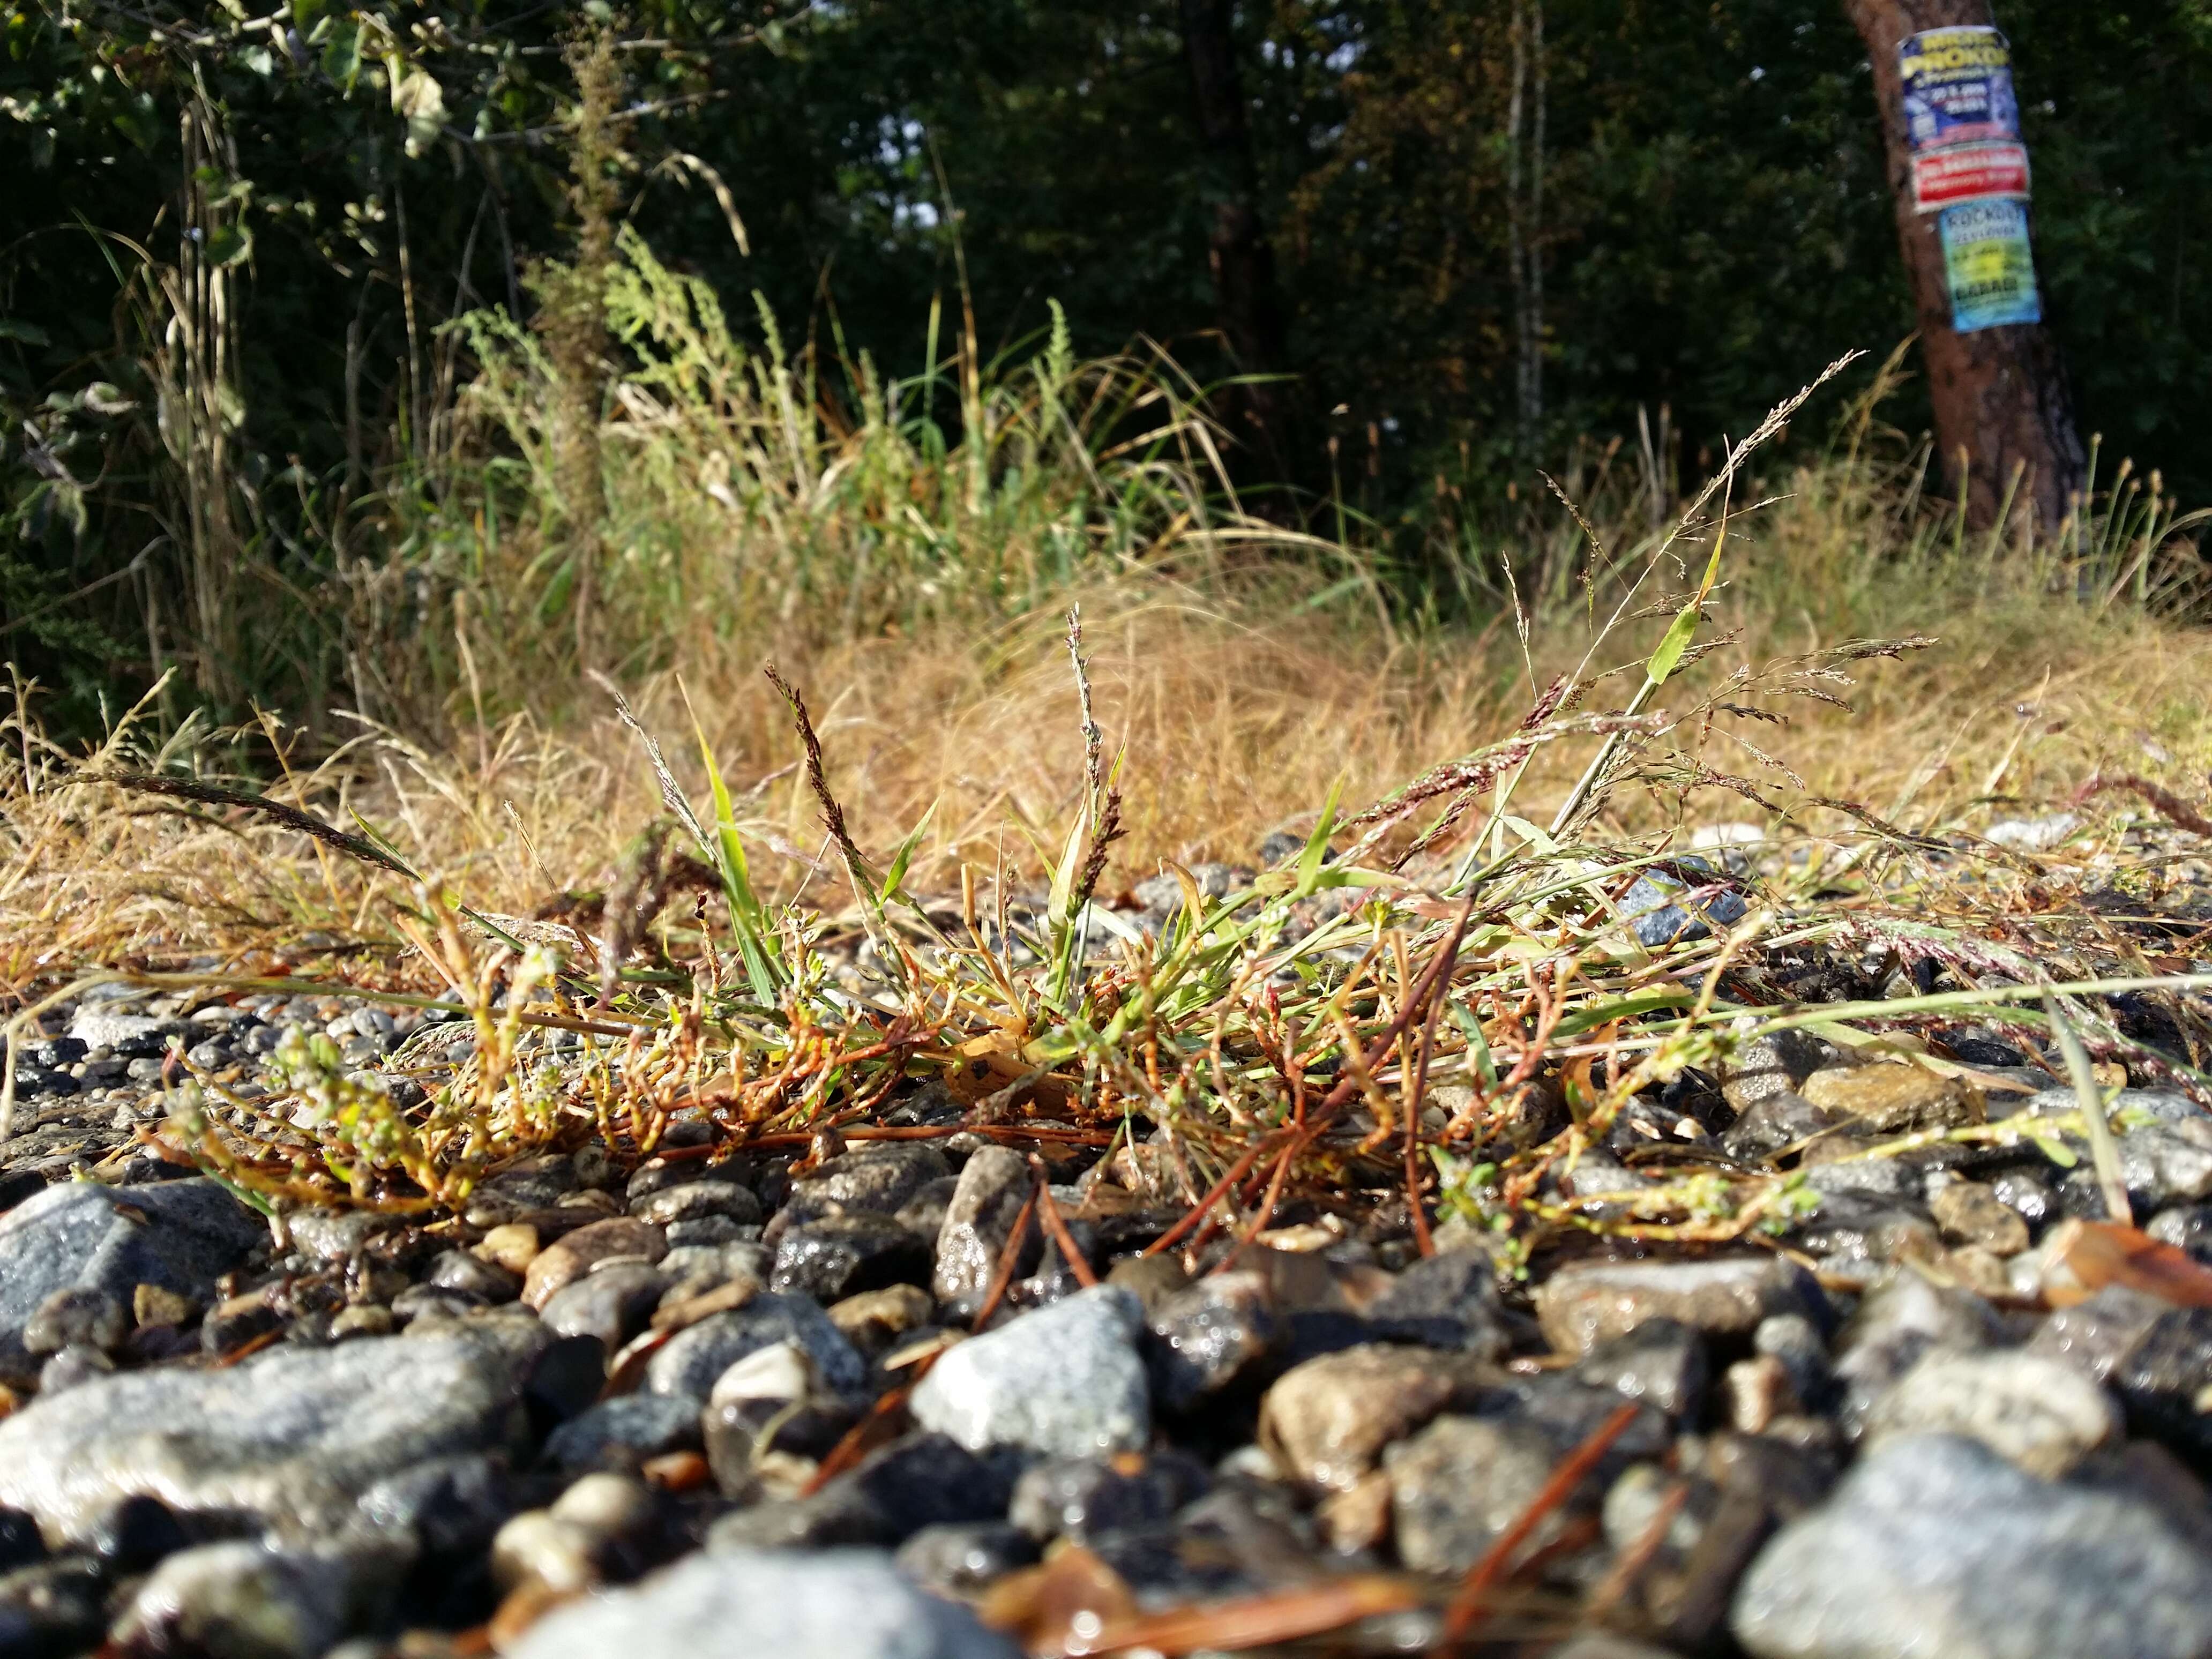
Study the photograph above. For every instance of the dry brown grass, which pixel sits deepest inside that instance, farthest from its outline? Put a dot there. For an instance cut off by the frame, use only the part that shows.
(1236, 718)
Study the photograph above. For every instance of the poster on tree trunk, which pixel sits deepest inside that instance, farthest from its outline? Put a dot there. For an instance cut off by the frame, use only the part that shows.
(1988, 266)
(1957, 87)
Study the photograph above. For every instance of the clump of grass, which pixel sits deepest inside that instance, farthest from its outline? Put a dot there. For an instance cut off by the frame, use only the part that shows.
(1280, 1043)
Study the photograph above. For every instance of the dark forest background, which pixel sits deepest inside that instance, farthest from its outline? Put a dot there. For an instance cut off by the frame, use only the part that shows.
(1470, 235)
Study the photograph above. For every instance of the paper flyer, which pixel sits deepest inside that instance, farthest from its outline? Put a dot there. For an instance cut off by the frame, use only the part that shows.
(1958, 87)
(1988, 264)
(1969, 173)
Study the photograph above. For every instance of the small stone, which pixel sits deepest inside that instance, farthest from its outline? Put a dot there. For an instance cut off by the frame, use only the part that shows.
(1206, 1336)
(2027, 1194)
(1770, 1065)
(1065, 1380)
(151, 1304)
(1661, 1362)
(1449, 1300)
(874, 1320)
(1891, 1096)
(538, 1547)
(1357, 1519)
(236, 1321)
(1329, 1418)
(79, 1362)
(1971, 1213)
(2187, 1227)
(709, 1230)
(612, 1304)
(1773, 1121)
(1900, 1322)
(512, 1245)
(1586, 1302)
(1797, 1343)
(1759, 1391)
(689, 1365)
(474, 1275)
(960, 1560)
(836, 1604)
(1659, 906)
(623, 1433)
(77, 1314)
(1076, 1496)
(841, 1256)
(2095, 1337)
(2042, 1415)
(360, 1319)
(879, 1179)
(978, 1221)
(919, 1480)
(1459, 1483)
(2165, 1381)
(249, 1601)
(692, 1200)
(334, 1236)
(783, 1371)
(568, 1259)
(1934, 1544)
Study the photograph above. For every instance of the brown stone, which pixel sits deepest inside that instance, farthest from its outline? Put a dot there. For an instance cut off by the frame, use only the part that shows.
(570, 1259)
(1326, 1422)
(1891, 1095)
(1971, 1212)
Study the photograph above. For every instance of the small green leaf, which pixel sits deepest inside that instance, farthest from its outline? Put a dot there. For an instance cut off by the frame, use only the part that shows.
(895, 877)
(1676, 641)
(230, 245)
(14, 328)
(342, 54)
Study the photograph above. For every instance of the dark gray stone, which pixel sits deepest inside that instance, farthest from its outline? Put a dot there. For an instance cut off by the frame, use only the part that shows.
(460, 1270)
(841, 1256)
(178, 1235)
(1449, 1300)
(1936, 1545)
(978, 1221)
(879, 1179)
(612, 1304)
(692, 1200)
(1207, 1336)
(1079, 1496)
(1459, 1483)
(1663, 1363)
(692, 1360)
(621, 1433)
(920, 1480)
(251, 1601)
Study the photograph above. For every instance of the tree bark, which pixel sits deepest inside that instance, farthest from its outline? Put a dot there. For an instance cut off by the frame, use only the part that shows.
(1246, 298)
(2001, 397)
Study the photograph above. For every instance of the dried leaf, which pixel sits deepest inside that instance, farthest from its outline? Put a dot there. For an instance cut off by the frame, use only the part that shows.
(2082, 1257)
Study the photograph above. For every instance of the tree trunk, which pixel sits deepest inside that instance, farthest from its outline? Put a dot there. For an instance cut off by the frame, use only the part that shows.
(2000, 394)
(1243, 264)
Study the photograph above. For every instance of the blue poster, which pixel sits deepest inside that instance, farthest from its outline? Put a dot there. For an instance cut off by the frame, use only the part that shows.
(1989, 266)
(1958, 87)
